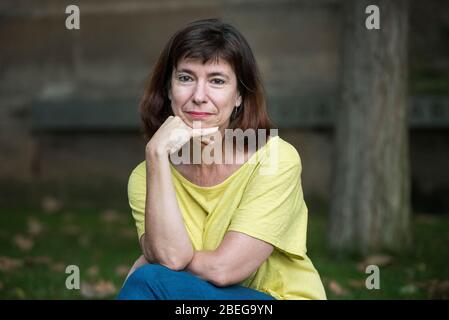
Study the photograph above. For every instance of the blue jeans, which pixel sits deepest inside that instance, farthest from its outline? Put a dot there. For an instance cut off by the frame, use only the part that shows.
(157, 282)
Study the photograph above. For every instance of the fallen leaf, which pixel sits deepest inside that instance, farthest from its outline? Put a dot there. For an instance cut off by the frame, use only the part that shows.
(22, 242)
(35, 227)
(127, 233)
(38, 260)
(380, 260)
(100, 289)
(336, 288)
(51, 204)
(92, 271)
(437, 289)
(58, 267)
(71, 230)
(8, 264)
(67, 217)
(110, 216)
(408, 289)
(356, 283)
(122, 270)
(84, 240)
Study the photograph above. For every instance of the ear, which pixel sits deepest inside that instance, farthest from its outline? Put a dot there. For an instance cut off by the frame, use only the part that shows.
(238, 101)
(169, 94)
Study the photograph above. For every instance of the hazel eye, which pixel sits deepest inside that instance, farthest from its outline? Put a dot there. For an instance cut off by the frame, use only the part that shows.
(218, 81)
(184, 78)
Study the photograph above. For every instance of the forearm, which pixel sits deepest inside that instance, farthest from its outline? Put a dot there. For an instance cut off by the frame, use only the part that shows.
(147, 252)
(206, 266)
(165, 233)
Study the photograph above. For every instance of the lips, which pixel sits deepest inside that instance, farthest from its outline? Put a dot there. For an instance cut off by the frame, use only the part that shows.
(196, 114)
(199, 113)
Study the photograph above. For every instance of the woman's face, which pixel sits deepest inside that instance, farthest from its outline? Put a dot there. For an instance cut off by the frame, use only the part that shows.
(204, 92)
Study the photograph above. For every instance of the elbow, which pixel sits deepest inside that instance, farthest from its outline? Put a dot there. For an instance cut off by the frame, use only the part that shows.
(173, 258)
(148, 255)
(222, 277)
(173, 267)
(176, 262)
(220, 280)
(225, 275)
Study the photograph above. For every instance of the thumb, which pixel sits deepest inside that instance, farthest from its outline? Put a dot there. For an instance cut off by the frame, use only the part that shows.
(208, 141)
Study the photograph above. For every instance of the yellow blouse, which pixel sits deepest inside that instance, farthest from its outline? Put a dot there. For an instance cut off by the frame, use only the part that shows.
(263, 199)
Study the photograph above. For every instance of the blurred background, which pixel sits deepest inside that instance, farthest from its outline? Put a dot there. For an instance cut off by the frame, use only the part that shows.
(70, 135)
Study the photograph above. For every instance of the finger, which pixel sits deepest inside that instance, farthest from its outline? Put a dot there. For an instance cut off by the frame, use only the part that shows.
(207, 141)
(204, 132)
(172, 150)
(208, 131)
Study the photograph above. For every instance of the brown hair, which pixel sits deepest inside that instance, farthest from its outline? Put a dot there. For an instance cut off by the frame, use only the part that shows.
(206, 39)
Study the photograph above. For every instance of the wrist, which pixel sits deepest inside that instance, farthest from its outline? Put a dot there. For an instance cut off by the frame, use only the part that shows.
(155, 152)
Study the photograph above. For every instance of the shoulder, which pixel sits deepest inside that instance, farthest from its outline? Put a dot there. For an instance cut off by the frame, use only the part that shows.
(137, 176)
(139, 170)
(281, 151)
(288, 152)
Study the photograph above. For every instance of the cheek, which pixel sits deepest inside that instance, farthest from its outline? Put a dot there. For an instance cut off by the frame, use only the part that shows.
(225, 102)
(180, 95)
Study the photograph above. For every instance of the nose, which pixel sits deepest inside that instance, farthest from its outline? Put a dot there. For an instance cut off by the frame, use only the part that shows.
(199, 96)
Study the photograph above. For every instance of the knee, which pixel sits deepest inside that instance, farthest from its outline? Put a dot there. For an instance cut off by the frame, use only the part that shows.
(146, 275)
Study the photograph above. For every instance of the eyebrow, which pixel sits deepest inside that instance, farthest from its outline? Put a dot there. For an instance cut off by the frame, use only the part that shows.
(211, 74)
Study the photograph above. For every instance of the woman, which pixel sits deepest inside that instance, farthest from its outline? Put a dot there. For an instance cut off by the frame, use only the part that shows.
(215, 230)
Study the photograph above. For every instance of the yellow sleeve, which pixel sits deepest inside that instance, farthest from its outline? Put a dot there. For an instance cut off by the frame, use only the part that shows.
(136, 198)
(272, 208)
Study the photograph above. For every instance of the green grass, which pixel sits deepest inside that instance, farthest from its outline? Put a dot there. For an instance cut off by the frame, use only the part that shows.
(85, 237)
(418, 273)
(79, 238)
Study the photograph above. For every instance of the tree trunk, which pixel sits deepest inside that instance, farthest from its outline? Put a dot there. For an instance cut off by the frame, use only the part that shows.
(371, 193)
